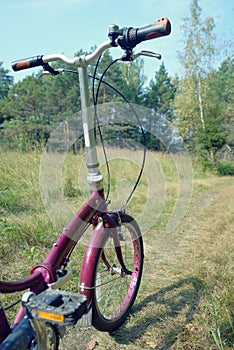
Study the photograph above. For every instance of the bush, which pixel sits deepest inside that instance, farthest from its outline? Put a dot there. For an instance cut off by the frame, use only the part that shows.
(225, 168)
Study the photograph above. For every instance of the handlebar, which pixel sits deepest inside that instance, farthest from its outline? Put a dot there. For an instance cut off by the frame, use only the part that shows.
(126, 38)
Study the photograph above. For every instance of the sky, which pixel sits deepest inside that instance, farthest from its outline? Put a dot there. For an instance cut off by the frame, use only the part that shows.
(32, 27)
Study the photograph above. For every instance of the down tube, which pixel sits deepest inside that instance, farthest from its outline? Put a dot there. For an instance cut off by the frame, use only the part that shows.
(74, 230)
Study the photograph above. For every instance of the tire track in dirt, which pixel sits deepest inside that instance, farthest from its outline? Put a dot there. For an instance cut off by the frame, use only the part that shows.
(169, 247)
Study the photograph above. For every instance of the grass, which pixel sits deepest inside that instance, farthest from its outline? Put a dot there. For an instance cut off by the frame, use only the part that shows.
(186, 296)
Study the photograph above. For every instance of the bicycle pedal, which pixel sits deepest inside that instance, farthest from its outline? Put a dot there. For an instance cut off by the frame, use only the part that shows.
(56, 307)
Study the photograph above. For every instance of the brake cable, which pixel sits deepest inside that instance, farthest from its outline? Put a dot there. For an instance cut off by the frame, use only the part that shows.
(138, 120)
(95, 100)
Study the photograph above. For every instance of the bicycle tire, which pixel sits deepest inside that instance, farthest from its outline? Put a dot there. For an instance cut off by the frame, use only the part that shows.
(114, 296)
(53, 338)
(24, 338)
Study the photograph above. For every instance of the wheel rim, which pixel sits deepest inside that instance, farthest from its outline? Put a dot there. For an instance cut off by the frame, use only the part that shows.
(114, 290)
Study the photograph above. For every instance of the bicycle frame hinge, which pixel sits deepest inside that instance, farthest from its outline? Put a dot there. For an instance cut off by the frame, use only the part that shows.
(61, 280)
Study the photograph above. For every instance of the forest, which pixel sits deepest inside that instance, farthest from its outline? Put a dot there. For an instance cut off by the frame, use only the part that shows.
(198, 103)
(186, 296)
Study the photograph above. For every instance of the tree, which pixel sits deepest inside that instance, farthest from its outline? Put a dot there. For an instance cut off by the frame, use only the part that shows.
(223, 85)
(6, 82)
(34, 107)
(159, 97)
(221, 103)
(113, 76)
(128, 79)
(196, 58)
(160, 93)
(192, 101)
(133, 80)
(22, 113)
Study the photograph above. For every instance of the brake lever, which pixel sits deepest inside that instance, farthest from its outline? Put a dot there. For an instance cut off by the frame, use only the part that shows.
(147, 54)
(51, 72)
(44, 72)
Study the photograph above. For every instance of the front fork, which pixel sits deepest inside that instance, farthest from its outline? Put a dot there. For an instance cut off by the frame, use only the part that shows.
(105, 225)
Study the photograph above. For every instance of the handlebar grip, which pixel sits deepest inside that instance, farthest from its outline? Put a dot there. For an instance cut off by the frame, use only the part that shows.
(130, 37)
(26, 63)
(162, 27)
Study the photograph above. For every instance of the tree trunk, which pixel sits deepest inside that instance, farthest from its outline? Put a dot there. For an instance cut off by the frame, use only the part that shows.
(212, 157)
(201, 104)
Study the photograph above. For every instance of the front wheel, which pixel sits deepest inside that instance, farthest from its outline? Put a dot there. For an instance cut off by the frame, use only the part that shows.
(116, 288)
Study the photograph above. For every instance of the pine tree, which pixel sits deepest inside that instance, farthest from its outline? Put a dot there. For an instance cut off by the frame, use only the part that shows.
(160, 93)
(6, 81)
(221, 102)
(159, 97)
(133, 80)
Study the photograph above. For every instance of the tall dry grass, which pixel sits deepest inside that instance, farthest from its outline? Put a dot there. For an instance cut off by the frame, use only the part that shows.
(186, 297)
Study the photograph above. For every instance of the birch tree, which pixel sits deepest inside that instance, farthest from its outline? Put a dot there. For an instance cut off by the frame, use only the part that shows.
(196, 58)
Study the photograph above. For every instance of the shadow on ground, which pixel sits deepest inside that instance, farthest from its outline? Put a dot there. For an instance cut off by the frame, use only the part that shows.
(167, 305)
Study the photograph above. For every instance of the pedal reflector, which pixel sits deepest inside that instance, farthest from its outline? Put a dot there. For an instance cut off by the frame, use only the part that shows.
(50, 316)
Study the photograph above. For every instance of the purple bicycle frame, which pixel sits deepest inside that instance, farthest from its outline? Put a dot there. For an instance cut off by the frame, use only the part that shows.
(95, 207)
(45, 273)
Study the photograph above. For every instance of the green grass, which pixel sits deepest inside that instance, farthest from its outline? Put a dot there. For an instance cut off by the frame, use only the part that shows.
(186, 296)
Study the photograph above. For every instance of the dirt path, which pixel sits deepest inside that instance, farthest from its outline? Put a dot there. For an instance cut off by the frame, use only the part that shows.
(173, 309)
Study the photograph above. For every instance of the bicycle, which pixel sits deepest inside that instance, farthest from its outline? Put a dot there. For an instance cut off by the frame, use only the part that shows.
(114, 255)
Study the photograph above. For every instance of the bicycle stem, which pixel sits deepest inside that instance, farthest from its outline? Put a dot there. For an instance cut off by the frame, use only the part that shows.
(94, 177)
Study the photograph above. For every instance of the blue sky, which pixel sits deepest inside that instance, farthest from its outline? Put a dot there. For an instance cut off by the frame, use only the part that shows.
(31, 27)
